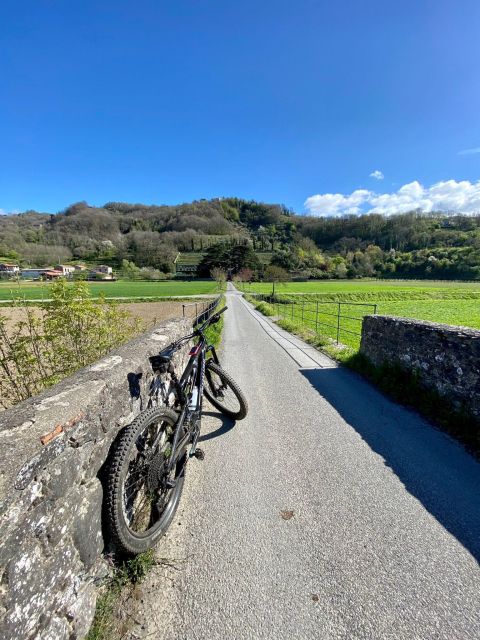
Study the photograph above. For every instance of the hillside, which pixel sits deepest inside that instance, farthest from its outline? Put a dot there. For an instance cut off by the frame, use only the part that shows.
(406, 245)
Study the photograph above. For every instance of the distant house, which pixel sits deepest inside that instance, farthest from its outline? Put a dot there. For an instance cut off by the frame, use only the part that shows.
(103, 268)
(95, 274)
(65, 269)
(52, 274)
(9, 269)
(102, 272)
(79, 267)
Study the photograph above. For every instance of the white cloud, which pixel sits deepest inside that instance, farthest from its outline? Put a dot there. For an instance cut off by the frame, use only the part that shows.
(448, 195)
(377, 174)
(337, 204)
(468, 152)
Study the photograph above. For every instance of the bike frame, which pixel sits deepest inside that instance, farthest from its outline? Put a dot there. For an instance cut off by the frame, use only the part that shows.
(190, 415)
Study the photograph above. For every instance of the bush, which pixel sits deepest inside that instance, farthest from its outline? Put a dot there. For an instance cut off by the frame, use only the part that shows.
(262, 306)
(68, 332)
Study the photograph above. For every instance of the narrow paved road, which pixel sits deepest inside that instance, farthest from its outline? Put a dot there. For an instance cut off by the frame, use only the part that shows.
(384, 540)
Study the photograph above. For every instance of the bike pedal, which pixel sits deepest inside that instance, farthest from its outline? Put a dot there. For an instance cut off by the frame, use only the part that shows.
(199, 454)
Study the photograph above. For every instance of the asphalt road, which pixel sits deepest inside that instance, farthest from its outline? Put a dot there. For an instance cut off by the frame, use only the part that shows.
(329, 512)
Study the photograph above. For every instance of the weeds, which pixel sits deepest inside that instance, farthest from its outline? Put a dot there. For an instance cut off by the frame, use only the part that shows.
(262, 306)
(129, 574)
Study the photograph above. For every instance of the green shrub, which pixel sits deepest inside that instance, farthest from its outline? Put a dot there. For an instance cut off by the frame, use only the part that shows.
(65, 333)
(265, 308)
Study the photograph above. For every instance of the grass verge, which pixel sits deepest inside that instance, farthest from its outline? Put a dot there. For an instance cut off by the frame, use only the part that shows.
(214, 331)
(126, 576)
(262, 306)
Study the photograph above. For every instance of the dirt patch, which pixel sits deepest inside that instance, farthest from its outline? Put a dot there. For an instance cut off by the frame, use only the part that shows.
(151, 313)
(16, 314)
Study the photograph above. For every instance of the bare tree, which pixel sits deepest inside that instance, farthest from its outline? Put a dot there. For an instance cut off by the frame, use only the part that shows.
(219, 276)
(275, 274)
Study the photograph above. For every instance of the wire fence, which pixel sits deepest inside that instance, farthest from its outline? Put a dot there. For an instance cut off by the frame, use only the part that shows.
(341, 321)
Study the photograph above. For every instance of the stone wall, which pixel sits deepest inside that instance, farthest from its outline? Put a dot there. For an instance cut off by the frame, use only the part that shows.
(52, 448)
(446, 359)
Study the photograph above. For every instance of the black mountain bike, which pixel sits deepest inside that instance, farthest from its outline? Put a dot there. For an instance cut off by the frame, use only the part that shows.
(147, 470)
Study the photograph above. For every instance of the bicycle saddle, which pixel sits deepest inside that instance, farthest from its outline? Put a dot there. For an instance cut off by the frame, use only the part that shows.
(163, 359)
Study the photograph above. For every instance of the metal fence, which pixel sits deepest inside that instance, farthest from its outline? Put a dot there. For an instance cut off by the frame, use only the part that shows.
(199, 310)
(316, 315)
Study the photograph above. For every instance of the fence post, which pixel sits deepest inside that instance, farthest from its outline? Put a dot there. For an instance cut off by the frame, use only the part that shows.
(374, 309)
(338, 323)
(316, 319)
(196, 309)
(183, 310)
(303, 306)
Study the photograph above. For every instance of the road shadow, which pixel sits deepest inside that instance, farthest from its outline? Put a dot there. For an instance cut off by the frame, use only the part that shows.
(435, 469)
(226, 425)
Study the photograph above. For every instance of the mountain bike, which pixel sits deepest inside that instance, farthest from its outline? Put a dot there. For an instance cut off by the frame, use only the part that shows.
(147, 470)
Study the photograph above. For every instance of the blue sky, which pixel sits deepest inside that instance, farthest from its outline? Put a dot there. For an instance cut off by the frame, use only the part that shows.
(281, 101)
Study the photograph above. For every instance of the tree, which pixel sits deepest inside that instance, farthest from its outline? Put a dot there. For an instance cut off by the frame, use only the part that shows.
(228, 257)
(245, 275)
(129, 270)
(275, 274)
(220, 277)
(216, 257)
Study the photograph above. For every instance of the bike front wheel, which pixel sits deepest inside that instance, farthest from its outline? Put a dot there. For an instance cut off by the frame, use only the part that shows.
(224, 393)
(142, 495)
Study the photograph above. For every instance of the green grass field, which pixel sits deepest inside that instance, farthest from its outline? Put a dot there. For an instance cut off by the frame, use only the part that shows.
(118, 289)
(335, 287)
(456, 303)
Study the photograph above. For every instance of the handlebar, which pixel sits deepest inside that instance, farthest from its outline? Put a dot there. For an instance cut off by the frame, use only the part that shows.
(215, 317)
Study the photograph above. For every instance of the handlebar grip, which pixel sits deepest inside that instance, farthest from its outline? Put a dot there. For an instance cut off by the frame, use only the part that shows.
(217, 313)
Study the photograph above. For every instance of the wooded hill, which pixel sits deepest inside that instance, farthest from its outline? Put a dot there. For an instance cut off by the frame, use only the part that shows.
(407, 245)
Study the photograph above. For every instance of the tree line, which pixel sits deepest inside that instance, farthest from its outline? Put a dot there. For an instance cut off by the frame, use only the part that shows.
(231, 232)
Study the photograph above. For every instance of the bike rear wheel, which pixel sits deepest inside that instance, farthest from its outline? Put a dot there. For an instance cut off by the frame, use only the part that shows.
(224, 393)
(142, 496)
